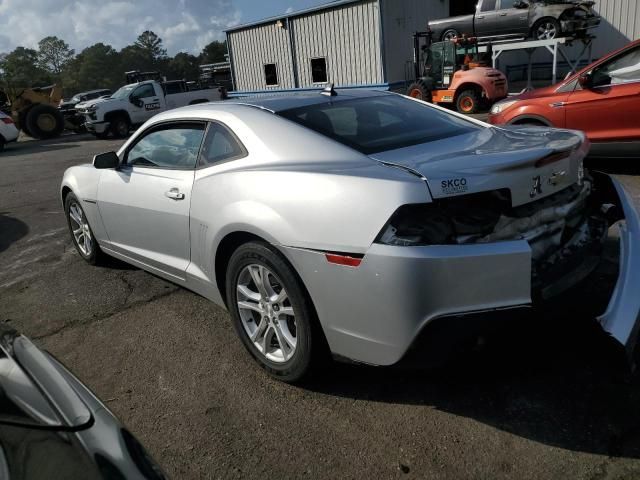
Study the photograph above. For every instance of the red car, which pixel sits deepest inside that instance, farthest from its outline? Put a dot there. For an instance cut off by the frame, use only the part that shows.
(603, 100)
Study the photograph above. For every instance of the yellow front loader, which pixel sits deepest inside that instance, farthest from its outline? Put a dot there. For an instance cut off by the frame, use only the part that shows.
(35, 110)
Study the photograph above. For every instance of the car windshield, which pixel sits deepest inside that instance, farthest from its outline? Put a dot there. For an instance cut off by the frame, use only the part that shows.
(378, 124)
(123, 92)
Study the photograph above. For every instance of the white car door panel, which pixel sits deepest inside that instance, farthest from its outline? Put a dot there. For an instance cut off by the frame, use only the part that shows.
(145, 203)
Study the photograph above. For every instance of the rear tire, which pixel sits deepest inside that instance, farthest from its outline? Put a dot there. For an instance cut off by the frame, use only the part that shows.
(44, 121)
(265, 319)
(420, 91)
(468, 102)
(450, 34)
(2, 143)
(120, 126)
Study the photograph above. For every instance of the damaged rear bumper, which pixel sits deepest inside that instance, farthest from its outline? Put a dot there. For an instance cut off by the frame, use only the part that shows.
(622, 317)
(374, 313)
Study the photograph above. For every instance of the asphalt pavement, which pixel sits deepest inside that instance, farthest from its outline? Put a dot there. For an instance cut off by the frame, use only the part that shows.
(545, 401)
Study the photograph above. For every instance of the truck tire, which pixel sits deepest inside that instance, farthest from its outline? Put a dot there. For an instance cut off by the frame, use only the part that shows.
(420, 91)
(22, 122)
(468, 101)
(546, 29)
(44, 121)
(120, 126)
(450, 34)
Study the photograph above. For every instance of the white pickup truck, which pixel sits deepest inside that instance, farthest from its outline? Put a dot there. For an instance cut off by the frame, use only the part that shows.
(136, 103)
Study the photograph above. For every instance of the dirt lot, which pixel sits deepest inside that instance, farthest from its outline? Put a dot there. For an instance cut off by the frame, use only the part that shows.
(544, 403)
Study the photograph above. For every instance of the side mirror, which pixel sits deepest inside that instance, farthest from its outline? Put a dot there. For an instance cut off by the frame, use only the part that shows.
(585, 81)
(106, 160)
(136, 101)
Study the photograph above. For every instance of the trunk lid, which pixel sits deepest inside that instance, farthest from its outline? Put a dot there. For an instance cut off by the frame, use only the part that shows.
(531, 162)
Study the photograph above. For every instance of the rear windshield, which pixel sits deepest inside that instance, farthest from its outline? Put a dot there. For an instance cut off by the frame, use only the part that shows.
(377, 124)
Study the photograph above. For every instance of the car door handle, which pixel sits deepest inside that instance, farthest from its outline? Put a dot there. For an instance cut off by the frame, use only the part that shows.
(174, 194)
(503, 14)
(480, 17)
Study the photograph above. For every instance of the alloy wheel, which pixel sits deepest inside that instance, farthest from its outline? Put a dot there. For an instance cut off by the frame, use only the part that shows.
(546, 31)
(80, 229)
(266, 313)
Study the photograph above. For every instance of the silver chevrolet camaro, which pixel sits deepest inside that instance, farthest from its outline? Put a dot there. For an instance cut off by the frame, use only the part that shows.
(350, 221)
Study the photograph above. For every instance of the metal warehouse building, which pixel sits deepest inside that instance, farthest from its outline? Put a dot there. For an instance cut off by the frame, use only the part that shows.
(369, 42)
(349, 42)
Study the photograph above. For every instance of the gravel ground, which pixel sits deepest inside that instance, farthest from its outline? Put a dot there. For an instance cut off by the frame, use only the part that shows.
(542, 402)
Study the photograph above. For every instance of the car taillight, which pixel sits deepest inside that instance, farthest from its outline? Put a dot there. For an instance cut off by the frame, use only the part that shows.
(7, 120)
(346, 260)
(448, 221)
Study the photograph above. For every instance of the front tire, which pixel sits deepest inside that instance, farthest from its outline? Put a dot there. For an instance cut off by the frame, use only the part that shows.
(44, 121)
(546, 29)
(420, 91)
(81, 233)
(468, 102)
(120, 126)
(271, 312)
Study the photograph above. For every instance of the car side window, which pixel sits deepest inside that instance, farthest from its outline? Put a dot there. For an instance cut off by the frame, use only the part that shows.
(220, 145)
(505, 4)
(622, 69)
(488, 5)
(173, 146)
(144, 91)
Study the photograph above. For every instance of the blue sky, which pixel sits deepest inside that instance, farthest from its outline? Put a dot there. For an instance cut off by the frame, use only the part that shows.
(184, 25)
(253, 10)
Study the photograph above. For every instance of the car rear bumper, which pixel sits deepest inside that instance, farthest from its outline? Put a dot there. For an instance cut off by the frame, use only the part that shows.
(10, 134)
(577, 24)
(373, 313)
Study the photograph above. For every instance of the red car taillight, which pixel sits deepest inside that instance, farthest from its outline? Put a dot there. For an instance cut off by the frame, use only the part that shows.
(7, 120)
(345, 260)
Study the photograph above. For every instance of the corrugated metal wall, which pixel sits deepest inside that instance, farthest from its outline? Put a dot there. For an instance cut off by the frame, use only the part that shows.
(348, 37)
(620, 24)
(400, 19)
(254, 47)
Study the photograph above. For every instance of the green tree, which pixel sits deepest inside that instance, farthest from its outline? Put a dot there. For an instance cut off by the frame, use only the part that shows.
(183, 65)
(214, 52)
(151, 45)
(53, 54)
(20, 69)
(97, 66)
(133, 57)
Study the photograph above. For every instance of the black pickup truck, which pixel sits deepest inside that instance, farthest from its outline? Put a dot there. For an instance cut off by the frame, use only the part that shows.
(520, 19)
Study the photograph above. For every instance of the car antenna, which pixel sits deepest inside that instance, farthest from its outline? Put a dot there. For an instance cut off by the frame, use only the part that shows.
(329, 91)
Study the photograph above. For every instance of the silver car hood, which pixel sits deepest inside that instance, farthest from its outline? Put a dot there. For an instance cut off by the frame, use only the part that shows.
(496, 158)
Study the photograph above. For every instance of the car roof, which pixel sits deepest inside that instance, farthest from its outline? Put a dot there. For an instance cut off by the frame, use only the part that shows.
(287, 101)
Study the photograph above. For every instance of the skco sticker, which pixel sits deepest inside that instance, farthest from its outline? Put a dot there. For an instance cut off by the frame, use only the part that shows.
(454, 186)
(152, 106)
